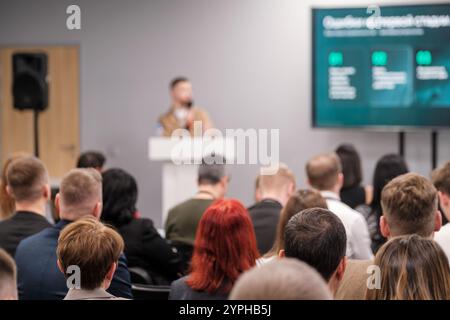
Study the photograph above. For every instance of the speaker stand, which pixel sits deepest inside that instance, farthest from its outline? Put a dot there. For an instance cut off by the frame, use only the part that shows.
(36, 132)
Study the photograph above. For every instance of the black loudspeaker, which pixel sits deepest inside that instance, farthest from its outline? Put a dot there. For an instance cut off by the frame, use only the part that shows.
(30, 86)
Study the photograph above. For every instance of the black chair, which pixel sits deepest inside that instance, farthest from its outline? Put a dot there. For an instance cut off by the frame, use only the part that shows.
(150, 292)
(185, 252)
(139, 276)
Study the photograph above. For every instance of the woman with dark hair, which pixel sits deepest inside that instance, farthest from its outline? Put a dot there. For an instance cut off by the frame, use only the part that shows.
(144, 247)
(225, 247)
(387, 168)
(352, 193)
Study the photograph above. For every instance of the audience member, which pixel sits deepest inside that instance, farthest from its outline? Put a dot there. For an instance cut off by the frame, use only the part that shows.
(409, 206)
(352, 193)
(257, 195)
(92, 159)
(274, 192)
(317, 236)
(27, 183)
(38, 274)
(325, 174)
(182, 220)
(225, 246)
(8, 282)
(285, 279)
(95, 249)
(299, 201)
(411, 268)
(144, 247)
(7, 205)
(441, 180)
(387, 168)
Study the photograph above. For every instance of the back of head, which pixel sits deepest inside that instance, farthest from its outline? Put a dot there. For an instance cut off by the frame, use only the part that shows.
(441, 178)
(92, 246)
(91, 159)
(278, 181)
(120, 193)
(211, 170)
(80, 191)
(387, 168)
(8, 286)
(317, 237)
(351, 165)
(299, 201)
(7, 205)
(27, 178)
(323, 171)
(225, 246)
(409, 204)
(281, 279)
(412, 268)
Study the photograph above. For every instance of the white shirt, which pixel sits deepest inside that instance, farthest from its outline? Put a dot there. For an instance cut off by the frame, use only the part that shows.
(358, 239)
(442, 237)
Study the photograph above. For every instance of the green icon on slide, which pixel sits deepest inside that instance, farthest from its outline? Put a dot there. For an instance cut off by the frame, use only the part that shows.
(335, 59)
(379, 58)
(423, 57)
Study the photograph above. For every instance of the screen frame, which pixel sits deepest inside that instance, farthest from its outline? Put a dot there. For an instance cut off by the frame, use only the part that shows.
(375, 128)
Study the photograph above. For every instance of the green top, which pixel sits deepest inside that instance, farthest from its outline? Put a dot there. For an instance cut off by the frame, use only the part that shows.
(182, 220)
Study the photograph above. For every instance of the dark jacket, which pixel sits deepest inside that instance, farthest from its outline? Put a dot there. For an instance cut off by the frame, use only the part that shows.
(179, 290)
(146, 249)
(38, 276)
(265, 215)
(353, 196)
(20, 226)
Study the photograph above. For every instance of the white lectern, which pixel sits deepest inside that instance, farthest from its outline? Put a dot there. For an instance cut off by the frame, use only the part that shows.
(181, 157)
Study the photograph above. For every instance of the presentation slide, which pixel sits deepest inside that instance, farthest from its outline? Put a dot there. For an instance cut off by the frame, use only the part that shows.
(381, 66)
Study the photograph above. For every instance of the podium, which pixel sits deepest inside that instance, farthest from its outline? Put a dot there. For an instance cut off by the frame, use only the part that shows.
(180, 159)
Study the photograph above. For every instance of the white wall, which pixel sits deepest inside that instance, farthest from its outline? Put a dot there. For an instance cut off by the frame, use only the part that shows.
(249, 61)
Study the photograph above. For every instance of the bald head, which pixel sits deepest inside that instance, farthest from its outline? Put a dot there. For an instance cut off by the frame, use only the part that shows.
(281, 279)
(80, 194)
(324, 171)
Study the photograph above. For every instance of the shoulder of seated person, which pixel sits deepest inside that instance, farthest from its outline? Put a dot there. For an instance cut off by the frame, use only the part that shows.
(354, 264)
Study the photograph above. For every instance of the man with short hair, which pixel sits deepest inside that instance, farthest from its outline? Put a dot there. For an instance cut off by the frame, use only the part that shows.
(281, 279)
(95, 249)
(325, 174)
(441, 180)
(182, 113)
(38, 274)
(27, 183)
(8, 283)
(182, 220)
(317, 237)
(410, 206)
(274, 191)
(91, 159)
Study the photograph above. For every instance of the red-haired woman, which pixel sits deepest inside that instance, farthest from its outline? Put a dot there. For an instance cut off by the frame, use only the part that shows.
(225, 246)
